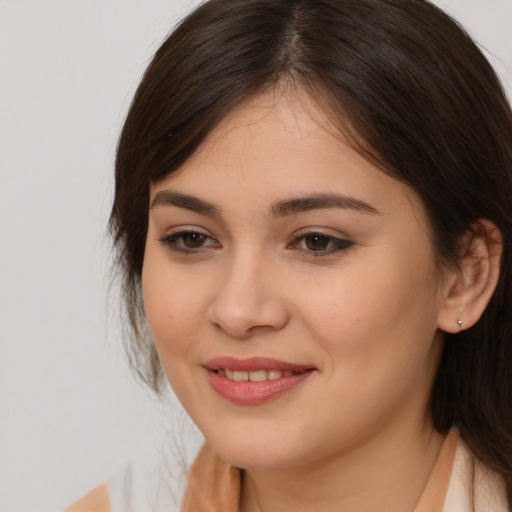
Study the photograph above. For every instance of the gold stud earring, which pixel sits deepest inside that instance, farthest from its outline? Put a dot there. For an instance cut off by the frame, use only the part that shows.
(459, 323)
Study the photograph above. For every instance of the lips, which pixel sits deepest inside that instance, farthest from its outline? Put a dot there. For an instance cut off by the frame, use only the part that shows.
(255, 380)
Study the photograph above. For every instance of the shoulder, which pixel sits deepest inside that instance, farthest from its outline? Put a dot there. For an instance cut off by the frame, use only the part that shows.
(473, 487)
(97, 500)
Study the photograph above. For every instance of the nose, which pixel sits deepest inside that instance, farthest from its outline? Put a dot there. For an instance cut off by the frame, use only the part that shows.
(247, 299)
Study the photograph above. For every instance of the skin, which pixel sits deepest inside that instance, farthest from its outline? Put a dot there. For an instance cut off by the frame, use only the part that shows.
(364, 311)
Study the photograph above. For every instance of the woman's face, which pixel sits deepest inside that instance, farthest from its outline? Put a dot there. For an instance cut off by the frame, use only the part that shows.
(278, 254)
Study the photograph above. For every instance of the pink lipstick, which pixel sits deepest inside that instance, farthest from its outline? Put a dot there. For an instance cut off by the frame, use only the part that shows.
(255, 380)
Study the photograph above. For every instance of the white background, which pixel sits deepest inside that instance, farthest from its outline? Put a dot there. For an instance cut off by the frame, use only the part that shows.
(70, 412)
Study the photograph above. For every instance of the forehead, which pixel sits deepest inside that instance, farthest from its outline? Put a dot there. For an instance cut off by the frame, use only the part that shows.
(283, 145)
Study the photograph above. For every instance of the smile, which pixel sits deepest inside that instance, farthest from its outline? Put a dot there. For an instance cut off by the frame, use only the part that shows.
(256, 375)
(254, 381)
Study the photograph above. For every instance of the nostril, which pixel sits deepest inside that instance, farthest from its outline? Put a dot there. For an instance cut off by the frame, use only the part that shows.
(245, 320)
(245, 302)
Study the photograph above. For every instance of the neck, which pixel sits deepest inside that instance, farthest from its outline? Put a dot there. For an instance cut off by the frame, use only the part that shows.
(388, 472)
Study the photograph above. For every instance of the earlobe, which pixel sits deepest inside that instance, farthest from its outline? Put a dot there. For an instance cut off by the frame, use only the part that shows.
(470, 286)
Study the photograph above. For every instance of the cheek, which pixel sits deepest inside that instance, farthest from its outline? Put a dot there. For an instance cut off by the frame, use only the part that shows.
(375, 312)
(173, 309)
(173, 303)
(379, 341)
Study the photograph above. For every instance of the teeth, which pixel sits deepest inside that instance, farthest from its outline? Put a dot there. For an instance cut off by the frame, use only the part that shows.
(258, 376)
(254, 376)
(274, 374)
(239, 376)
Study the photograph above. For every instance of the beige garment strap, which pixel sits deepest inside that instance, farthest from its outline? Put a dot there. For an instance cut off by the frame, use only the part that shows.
(96, 500)
(213, 485)
(434, 494)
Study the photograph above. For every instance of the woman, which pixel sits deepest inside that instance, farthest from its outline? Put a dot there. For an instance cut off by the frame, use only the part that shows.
(312, 212)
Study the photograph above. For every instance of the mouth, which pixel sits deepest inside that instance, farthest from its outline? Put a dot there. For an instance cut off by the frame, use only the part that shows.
(254, 375)
(256, 380)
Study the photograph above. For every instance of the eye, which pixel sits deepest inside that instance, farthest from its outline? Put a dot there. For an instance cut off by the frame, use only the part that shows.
(193, 240)
(320, 244)
(189, 241)
(317, 242)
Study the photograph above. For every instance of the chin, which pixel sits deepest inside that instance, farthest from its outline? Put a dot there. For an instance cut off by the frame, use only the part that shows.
(255, 458)
(247, 449)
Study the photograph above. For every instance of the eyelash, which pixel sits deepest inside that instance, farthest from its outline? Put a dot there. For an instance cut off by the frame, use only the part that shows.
(172, 242)
(175, 242)
(337, 244)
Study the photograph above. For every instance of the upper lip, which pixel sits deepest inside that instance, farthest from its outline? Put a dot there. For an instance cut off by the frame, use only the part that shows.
(253, 364)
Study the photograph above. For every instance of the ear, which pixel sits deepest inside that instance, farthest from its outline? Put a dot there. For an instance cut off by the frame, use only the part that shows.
(468, 288)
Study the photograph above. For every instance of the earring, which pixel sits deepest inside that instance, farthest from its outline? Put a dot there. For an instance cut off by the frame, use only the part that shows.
(459, 323)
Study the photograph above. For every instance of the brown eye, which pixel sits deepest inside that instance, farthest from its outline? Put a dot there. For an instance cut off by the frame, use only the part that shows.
(320, 244)
(189, 242)
(317, 242)
(193, 240)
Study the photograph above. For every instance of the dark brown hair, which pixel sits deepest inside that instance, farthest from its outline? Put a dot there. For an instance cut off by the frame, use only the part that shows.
(412, 92)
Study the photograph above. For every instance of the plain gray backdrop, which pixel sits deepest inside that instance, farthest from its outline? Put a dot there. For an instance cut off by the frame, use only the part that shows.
(70, 412)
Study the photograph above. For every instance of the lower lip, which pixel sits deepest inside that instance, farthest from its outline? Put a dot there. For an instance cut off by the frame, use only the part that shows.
(251, 393)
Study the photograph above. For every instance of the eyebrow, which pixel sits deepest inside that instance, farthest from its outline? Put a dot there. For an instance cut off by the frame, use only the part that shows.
(278, 209)
(171, 198)
(319, 202)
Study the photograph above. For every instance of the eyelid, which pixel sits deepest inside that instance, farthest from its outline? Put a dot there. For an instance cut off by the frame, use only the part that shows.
(327, 232)
(341, 242)
(187, 228)
(171, 238)
(336, 243)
